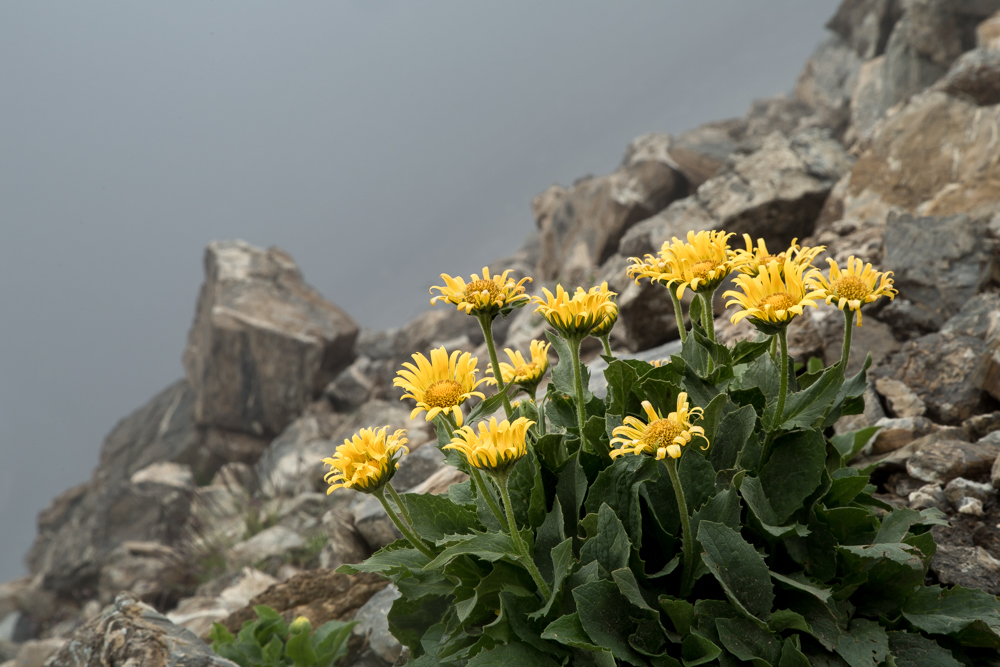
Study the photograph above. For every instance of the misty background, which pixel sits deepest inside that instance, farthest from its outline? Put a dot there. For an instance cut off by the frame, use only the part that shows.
(380, 143)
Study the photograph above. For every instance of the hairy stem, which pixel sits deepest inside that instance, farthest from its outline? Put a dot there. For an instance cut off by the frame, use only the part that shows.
(708, 314)
(607, 345)
(783, 387)
(574, 349)
(519, 544)
(848, 334)
(486, 322)
(400, 505)
(687, 539)
(412, 537)
(678, 314)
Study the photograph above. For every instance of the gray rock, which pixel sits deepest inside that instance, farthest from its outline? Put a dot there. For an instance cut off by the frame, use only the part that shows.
(352, 387)
(131, 633)
(995, 474)
(949, 459)
(700, 153)
(896, 433)
(907, 320)
(868, 102)
(345, 544)
(960, 487)
(263, 343)
(865, 24)
(970, 506)
(374, 526)
(35, 652)
(928, 496)
(377, 343)
(828, 80)
(978, 317)
(988, 33)
(982, 425)
(971, 567)
(274, 541)
(974, 76)
(417, 466)
(938, 263)
(8, 650)
(432, 328)
(151, 571)
(645, 310)
(373, 624)
(900, 399)
(198, 613)
(941, 369)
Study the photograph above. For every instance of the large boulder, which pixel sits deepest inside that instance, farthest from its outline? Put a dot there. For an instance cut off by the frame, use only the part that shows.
(828, 80)
(975, 76)
(865, 25)
(263, 343)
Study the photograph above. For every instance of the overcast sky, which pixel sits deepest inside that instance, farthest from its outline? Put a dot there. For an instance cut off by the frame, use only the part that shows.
(380, 143)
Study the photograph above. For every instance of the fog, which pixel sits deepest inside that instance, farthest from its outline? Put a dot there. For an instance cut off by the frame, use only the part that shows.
(380, 143)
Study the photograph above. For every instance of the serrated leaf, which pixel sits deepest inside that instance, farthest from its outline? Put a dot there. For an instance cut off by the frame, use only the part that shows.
(896, 524)
(852, 442)
(488, 546)
(793, 471)
(527, 493)
(899, 553)
(739, 568)
(410, 619)
(913, 650)
(698, 650)
(865, 644)
(486, 408)
(804, 408)
(629, 587)
(571, 490)
(753, 494)
(747, 640)
(971, 615)
(610, 547)
(850, 399)
(800, 581)
(605, 615)
(734, 430)
(391, 557)
(618, 486)
(623, 376)
(562, 566)
(512, 655)
(697, 478)
(436, 516)
(569, 631)
(562, 373)
(550, 533)
(680, 612)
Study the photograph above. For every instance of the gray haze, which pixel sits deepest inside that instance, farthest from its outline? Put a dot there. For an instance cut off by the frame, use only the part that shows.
(380, 143)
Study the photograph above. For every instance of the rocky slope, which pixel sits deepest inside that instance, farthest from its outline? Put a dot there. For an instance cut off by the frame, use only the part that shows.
(210, 497)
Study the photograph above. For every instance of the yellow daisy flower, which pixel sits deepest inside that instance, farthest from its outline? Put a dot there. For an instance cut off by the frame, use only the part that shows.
(854, 286)
(610, 318)
(661, 436)
(701, 263)
(366, 461)
(578, 315)
(519, 371)
(496, 448)
(751, 260)
(774, 296)
(489, 295)
(440, 385)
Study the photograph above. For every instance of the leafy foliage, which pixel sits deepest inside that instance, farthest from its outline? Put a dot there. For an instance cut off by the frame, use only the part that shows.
(269, 642)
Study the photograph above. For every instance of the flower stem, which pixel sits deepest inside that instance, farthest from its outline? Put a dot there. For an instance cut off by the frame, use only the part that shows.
(848, 331)
(574, 349)
(678, 314)
(774, 348)
(607, 345)
(476, 476)
(519, 544)
(417, 543)
(708, 314)
(486, 322)
(687, 539)
(400, 505)
(541, 416)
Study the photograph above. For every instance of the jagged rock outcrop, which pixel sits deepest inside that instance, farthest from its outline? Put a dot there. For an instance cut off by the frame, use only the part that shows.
(263, 343)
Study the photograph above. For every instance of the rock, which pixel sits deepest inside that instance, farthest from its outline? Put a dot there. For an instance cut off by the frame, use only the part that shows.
(865, 24)
(11, 594)
(828, 80)
(975, 76)
(319, 595)
(377, 344)
(907, 320)
(902, 484)
(867, 105)
(373, 624)
(440, 481)
(581, 227)
(84, 525)
(970, 506)
(901, 400)
(873, 337)
(940, 369)
(700, 153)
(645, 310)
(949, 459)
(988, 33)
(982, 425)
(995, 475)
(978, 317)
(903, 166)
(971, 567)
(131, 633)
(198, 613)
(896, 433)
(960, 487)
(927, 496)
(263, 343)
(374, 525)
(273, 541)
(8, 650)
(938, 263)
(35, 652)
(345, 544)
(154, 573)
(349, 390)
(431, 329)
(417, 466)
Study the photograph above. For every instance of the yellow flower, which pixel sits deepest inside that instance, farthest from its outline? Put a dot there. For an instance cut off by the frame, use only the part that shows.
(440, 385)
(367, 460)
(774, 296)
(519, 371)
(701, 263)
(576, 316)
(496, 448)
(487, 296)
(610, 317)
(662, 436)
(854, 286)
(751, 260)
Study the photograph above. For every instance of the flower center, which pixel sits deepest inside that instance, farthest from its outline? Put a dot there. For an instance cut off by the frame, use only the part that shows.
(778, 301)
(703, 268)
(473, 289)
(852, 288)
(443, 394)
(662, 433)
(525, 371)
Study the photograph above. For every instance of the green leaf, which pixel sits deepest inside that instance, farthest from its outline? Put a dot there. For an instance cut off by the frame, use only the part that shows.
(220, 635)
(698, 650)
(562, 373)
(849, 525)
(819, 617)
(791, 656)
(571, 490)
(330, 641)
(800, 581)
(393, 557)
(913, 650)
(852, 442)
(846, 484)
(550, 533)
(739, 568)
(436, 516)
(747, 640)
(562, 567)
(763, 375)
(850, 398)
(299, 646)
(746, 351)
(896, 524)
(793, 471)
(569, 631)
(512, 655)
(786, 619)
(680, 612)
(410, 619)
(552, 451)
(460, 493)
(753, 494)
(723, 508)
(970, 615)
(618, 486)
(488, 546)
(734, 430)
(605, 615)
(697, 478)
(865, 644)
(899, 553)
(527, 493)
(804, 408)
(623, 377)
(272, 652)
(485, 408)
(610, 547)
(629, 587)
